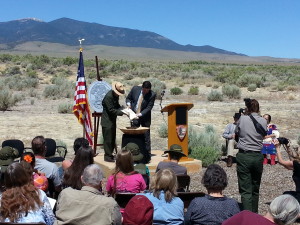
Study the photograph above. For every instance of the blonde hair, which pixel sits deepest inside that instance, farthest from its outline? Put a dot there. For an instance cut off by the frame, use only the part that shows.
(164, 180)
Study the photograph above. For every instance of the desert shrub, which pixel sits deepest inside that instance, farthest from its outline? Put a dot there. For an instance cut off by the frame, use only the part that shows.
(246, 79)
(252, 87)
(291, 97)
(32, 92)
(280, 87)
(204, 145)
(176, 91)
(215, 96)
(14, 70)
(128, 76)
(32, 74)
(163, 130)
(65, 108)
(6, 57)
(19, 83)
(215, 86)
(58, 91)
(292, 88)
(193, 90)
(298, 140)
(232, 91)
(69, 61)
(157, 86)
(7, 99)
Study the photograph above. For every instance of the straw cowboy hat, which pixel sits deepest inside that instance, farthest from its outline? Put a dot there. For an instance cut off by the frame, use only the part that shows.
(118, 88)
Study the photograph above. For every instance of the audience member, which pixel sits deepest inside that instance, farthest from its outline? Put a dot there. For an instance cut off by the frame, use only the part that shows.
(7, 156)
(213, 208)
(79, 142)
(283, 210)
(290, 165)
(88, 205)
(125, 179)
(50, 169)
(138, 211)
(268, 146)
(83, 158)
(175, 154)
(251, 129)
(229, 135)
(39, 179)
(168, 209)
(137, 156)
(22, 202)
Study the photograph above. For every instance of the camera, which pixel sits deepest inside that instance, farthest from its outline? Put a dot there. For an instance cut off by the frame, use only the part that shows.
(283, 141)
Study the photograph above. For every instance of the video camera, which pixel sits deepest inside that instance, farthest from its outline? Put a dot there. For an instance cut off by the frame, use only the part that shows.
(283, 141)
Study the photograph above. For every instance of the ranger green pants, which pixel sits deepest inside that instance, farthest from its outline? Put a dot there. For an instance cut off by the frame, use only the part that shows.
(109, 140)
(249, 172)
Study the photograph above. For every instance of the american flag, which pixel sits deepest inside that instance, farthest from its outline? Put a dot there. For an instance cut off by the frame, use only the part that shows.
(81, 106)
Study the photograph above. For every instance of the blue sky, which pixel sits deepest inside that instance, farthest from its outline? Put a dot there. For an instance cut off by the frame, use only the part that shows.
(251, 27)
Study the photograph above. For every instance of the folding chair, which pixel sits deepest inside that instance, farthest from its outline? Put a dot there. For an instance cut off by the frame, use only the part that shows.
(183, 183)
(123, 198)
(52, 148)
(187, 197)
(15, 143)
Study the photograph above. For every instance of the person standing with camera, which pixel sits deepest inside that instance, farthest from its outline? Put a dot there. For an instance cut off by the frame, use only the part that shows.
(251, 129)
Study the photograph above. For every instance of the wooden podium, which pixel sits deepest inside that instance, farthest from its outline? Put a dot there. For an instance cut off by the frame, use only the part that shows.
(178, 126)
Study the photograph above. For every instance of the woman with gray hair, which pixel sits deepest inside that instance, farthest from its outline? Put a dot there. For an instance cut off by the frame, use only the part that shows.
(283, 210)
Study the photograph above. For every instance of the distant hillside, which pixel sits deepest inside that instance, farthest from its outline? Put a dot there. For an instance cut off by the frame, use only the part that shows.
(67, 31)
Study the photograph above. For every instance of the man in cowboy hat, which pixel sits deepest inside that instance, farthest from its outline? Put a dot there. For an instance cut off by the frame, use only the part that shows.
(141, 100)
(111, 109)
(175, 154)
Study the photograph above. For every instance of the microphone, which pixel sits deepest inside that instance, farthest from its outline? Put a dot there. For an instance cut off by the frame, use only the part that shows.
(162, 93)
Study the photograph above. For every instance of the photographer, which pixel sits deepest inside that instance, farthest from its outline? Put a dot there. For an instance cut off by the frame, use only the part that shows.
(251, 129)
(290, 165)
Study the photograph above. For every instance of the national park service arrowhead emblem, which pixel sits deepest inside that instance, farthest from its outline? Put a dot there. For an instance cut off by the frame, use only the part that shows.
(181, 131)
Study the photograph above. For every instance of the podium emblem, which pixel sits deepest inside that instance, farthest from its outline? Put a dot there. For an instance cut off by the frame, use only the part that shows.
(181, 131)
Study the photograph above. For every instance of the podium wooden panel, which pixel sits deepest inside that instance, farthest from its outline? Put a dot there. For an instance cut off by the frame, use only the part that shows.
(178, 125)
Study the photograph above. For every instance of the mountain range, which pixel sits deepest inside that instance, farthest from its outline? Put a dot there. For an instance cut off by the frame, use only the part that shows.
(68, 31)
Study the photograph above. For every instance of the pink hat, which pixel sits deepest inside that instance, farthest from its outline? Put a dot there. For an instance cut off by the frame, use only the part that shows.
(138, 211)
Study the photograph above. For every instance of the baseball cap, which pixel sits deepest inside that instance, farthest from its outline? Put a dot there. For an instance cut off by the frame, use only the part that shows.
(138, 211)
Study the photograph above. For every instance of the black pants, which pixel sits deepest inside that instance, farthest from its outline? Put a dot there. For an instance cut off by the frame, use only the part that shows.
(147, 153)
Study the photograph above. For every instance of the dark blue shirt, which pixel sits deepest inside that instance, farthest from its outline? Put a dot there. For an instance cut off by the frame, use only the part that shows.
(210, 210)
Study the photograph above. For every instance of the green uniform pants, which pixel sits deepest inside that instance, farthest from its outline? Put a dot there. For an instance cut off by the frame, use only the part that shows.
(249, 172)
(109, 140)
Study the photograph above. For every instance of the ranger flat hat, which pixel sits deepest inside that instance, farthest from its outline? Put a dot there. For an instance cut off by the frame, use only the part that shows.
(118, 88)
(175, 149)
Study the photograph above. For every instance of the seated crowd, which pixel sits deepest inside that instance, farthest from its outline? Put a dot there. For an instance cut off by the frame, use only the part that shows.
(25, 186)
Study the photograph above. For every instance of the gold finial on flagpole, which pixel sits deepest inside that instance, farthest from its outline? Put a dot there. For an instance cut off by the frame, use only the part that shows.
(80, 45)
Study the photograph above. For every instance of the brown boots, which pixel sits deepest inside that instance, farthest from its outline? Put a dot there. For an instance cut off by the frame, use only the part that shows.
(229, 161)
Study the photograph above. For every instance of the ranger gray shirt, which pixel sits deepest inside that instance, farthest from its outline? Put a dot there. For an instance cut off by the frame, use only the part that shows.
(249, 139)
